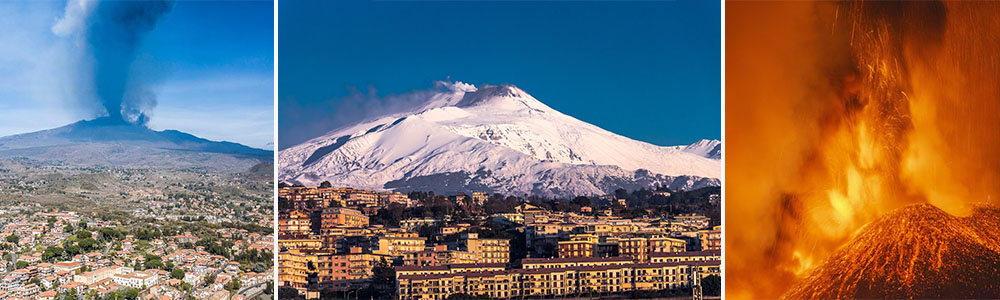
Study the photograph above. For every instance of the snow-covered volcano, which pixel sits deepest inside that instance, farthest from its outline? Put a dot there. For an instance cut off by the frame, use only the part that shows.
(494, 138)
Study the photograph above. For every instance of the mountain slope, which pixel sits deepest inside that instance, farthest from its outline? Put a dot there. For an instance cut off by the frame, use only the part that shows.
(108, 142)
(495, 138)
(915, 252)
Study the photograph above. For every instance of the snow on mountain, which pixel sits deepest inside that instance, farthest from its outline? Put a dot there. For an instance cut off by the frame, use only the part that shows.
(705, 148)
(495, 138)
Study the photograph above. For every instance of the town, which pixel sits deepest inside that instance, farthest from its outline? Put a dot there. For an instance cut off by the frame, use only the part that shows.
(66, 255)
(343, 242)
(71, 232)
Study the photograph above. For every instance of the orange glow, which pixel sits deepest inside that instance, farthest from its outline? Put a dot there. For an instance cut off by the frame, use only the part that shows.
(839, 112)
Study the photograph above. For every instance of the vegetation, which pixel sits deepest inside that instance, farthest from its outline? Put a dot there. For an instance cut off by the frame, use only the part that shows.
(711, 285)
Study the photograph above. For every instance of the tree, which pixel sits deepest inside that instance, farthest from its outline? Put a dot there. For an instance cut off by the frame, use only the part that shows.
(325, 184)
(285, 292)
(72, 250)
(383, 277)
(131, 294)
(582, 201)
(177, 273)
(82, 234)
(14, 239)
(233, 285)
(20, 264)
(87, 243)
(711, 285)
(108, 233)
(51, 252)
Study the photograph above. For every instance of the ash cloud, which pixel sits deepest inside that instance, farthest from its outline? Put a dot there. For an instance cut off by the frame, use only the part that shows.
(110, 32)
(303, 120)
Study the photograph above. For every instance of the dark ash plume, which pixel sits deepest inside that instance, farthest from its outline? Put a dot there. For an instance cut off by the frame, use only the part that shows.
(111, 32)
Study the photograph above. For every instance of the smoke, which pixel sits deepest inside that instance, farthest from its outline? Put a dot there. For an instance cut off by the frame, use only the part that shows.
(111, 32)
(303, 120)
(839, 112)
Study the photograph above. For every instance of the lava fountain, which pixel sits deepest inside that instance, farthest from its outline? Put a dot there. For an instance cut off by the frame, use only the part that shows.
(839, 113)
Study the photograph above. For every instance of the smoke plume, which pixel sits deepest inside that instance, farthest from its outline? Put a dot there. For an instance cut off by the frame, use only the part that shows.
(111, 32)
(840, 112)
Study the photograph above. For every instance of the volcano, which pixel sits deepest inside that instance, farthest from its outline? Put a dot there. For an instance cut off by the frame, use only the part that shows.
(113, 142)
(494, 138)
(914, 252)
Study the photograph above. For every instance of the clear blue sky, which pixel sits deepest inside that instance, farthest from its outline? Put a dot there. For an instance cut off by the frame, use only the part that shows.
(210, 65)
(649, 70)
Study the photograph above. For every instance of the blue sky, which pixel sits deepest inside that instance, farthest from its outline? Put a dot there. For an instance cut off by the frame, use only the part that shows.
(210, 65)
(649, 70)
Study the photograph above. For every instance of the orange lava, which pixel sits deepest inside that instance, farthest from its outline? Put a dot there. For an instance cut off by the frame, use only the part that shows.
(839, 112)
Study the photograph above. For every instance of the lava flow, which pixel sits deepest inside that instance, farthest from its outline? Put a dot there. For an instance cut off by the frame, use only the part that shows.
(839, 113)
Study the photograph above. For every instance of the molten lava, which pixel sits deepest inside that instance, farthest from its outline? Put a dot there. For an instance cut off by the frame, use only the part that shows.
(841, 112)
(915, 252)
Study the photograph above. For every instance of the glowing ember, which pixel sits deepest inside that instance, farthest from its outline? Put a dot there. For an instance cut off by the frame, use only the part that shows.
(840, 112)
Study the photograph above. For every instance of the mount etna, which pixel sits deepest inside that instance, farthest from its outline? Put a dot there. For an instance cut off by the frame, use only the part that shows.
(111, 141)
(494, 138)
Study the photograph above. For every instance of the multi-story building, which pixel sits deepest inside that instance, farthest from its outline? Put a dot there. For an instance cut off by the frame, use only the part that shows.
(333, 272)
(696, 220)
(386, 198)
(576, 248)
(299, 242)
(666, 244)
(439, 255)
(342, 217)
(552, 263)
(101, 274)
(709, 255)
(399, 244)
(136, 280)
(488, 250)
(711, 239)
(294, 223)
(359, 198)
(636, 248)
(562, 277)
(479, 198)
(293, 271)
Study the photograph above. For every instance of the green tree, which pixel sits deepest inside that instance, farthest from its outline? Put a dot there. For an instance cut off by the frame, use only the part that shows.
(131, 294)
(82, 234)
(72, 250)
(51, 252)
(177, 273)
(87, 243)
(108, 233)
(233, 285)
(14, 239)
(20, 264)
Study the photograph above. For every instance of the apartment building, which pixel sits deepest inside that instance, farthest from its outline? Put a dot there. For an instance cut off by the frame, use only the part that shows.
(342, 217)
(711, 239)
(294, 223)
(562, 277)
(708, 255)
(488, 250)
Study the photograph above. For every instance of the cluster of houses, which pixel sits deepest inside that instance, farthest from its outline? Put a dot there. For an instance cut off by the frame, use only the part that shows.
(116, 266)
(327, 244)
